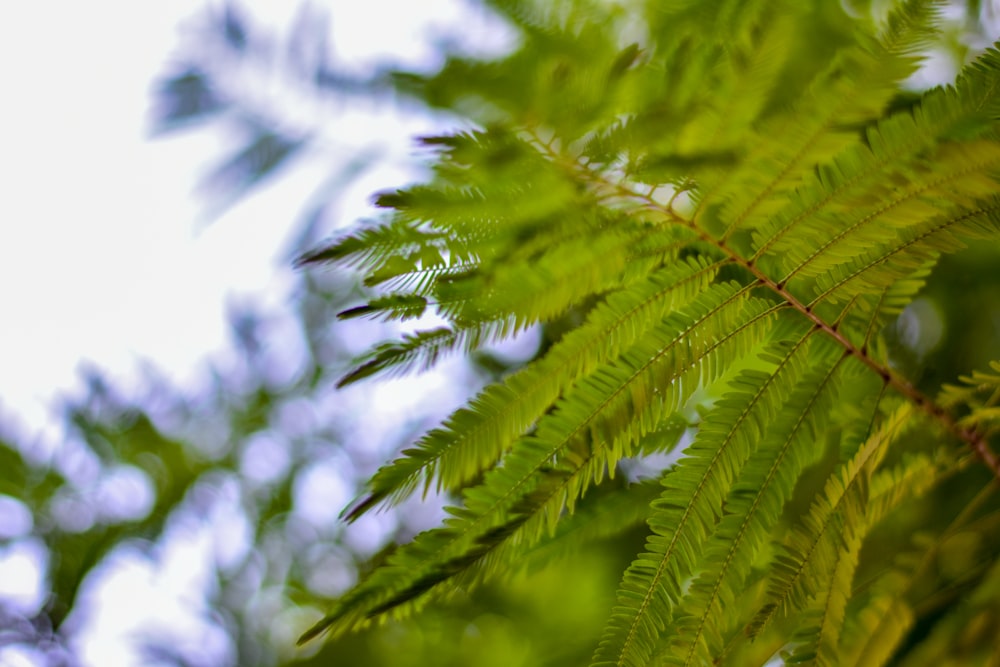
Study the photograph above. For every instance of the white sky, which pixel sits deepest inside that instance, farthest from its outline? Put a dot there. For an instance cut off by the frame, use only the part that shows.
(101, 255)
(94, 220)
(103, 260)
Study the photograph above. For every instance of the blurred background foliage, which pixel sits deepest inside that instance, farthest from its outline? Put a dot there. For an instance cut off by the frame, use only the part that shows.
(257, 464)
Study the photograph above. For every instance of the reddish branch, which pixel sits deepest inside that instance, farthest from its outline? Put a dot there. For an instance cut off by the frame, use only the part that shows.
(976, 441)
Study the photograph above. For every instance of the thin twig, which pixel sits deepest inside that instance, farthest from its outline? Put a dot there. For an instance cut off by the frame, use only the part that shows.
(975, 440)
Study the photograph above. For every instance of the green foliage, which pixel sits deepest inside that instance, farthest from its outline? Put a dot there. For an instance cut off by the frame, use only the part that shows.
(731, 200)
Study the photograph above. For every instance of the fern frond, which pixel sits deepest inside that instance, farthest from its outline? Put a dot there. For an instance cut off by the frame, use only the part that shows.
(879, 628)
(738, 222)
(522, 192)
(603, 513)
(626, 400)
(874, 631)
(853, 90)
(867, 314)
(418, 275)
(980, 394)
(823, 637)
(839, 511)
(819, 632)
(368, 249)
(510, 301)
(968, 110)
(954, 176)
(475, 437)
(741, 66)
(823, 554)
(388, 308)
(754, 506)
(909, 27)
(684, 516)
(592, 427)
(542, 287)
(422, 349)
(752, 74)
(916, 249)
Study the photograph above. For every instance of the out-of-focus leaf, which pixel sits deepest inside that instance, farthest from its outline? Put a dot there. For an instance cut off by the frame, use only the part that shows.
(34, 486)
(184, 99)
(234, 27)
(259, 159)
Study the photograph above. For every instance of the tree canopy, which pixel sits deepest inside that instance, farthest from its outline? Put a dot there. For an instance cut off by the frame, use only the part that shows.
(760, 426)
(733, 201)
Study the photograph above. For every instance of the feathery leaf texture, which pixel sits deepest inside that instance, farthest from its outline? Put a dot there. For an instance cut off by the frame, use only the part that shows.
(505, 411)
(812, 550)
(722, 214)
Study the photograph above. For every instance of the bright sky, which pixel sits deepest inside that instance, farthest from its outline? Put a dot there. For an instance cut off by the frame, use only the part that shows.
(103, 260)
(94, 220)
(101, 255)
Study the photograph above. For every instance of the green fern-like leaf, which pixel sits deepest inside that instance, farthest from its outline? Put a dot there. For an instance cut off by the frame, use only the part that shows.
(729, 205)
